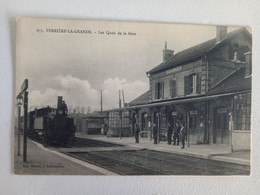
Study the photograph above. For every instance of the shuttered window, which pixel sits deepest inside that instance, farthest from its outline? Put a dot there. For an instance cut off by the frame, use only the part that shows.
(156, 95)
(173, 88)
(162, 90)
(186, 85)
(198, 84)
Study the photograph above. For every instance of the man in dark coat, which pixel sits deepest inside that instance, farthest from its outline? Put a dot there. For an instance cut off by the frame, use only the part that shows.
(182, 135)
(154, 134)
(137, 131)
(169, 134)
(105, 129)
(176, 137)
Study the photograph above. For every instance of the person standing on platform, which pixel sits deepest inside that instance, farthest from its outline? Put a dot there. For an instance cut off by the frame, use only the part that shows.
(154, 133)
(169, 134)
(176, 134)
(105, 129)
(137, 131)
(182, 135)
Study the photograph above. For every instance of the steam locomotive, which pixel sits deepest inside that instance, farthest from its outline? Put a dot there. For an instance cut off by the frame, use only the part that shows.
(51, 125)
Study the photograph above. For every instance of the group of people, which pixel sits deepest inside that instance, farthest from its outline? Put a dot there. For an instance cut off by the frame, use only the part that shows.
(178, 133)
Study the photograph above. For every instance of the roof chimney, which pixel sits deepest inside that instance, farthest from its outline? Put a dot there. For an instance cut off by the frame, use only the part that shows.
(221, 33)
(167, 53)
(248, 57)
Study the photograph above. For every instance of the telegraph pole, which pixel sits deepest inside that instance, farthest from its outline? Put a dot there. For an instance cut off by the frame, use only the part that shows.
(101, 102)
(25, 105)
(119, 99)
(123, 96)
(25, 127)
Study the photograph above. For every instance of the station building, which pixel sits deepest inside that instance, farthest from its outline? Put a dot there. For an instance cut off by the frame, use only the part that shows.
(207, 87)
(93, 123)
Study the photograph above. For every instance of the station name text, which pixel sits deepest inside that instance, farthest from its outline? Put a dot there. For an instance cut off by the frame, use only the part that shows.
(85, 31)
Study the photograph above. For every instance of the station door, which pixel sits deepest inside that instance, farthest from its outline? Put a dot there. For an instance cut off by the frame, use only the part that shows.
(221, 131)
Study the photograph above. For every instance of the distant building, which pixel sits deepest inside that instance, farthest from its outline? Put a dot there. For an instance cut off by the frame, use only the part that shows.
(94, 123)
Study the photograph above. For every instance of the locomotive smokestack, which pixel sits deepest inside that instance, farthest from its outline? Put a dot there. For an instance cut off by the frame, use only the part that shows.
(59, 104)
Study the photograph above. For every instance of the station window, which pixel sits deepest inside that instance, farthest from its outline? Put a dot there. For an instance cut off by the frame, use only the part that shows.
(235, 55)
(242, 111)
(115, 119)
(237, 52)
(159, 90)
(192, 84)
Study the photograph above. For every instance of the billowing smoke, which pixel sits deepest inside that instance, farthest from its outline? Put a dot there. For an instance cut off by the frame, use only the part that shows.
(80, 95)
(131, 91)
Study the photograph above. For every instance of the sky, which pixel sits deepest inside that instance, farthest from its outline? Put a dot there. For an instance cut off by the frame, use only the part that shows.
(77, 59)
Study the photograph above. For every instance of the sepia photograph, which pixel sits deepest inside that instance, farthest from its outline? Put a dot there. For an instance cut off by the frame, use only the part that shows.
(107, 97)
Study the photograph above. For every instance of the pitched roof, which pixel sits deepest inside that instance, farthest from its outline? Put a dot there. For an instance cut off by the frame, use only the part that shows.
(194, 52)
(142, 99)
(95, 114)
(234, 83)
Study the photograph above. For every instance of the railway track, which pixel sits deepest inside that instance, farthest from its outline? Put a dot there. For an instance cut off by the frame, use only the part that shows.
(120, 167)
(84, 142)
(149, 162)
(200, 163)
(124, 161)
(178, 164)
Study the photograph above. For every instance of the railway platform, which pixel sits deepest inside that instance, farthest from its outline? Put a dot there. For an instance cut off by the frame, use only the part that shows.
(218, 152)
(46, 161)
(52, 161)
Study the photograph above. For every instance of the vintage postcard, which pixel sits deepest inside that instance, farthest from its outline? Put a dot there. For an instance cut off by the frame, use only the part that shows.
(131, 98)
